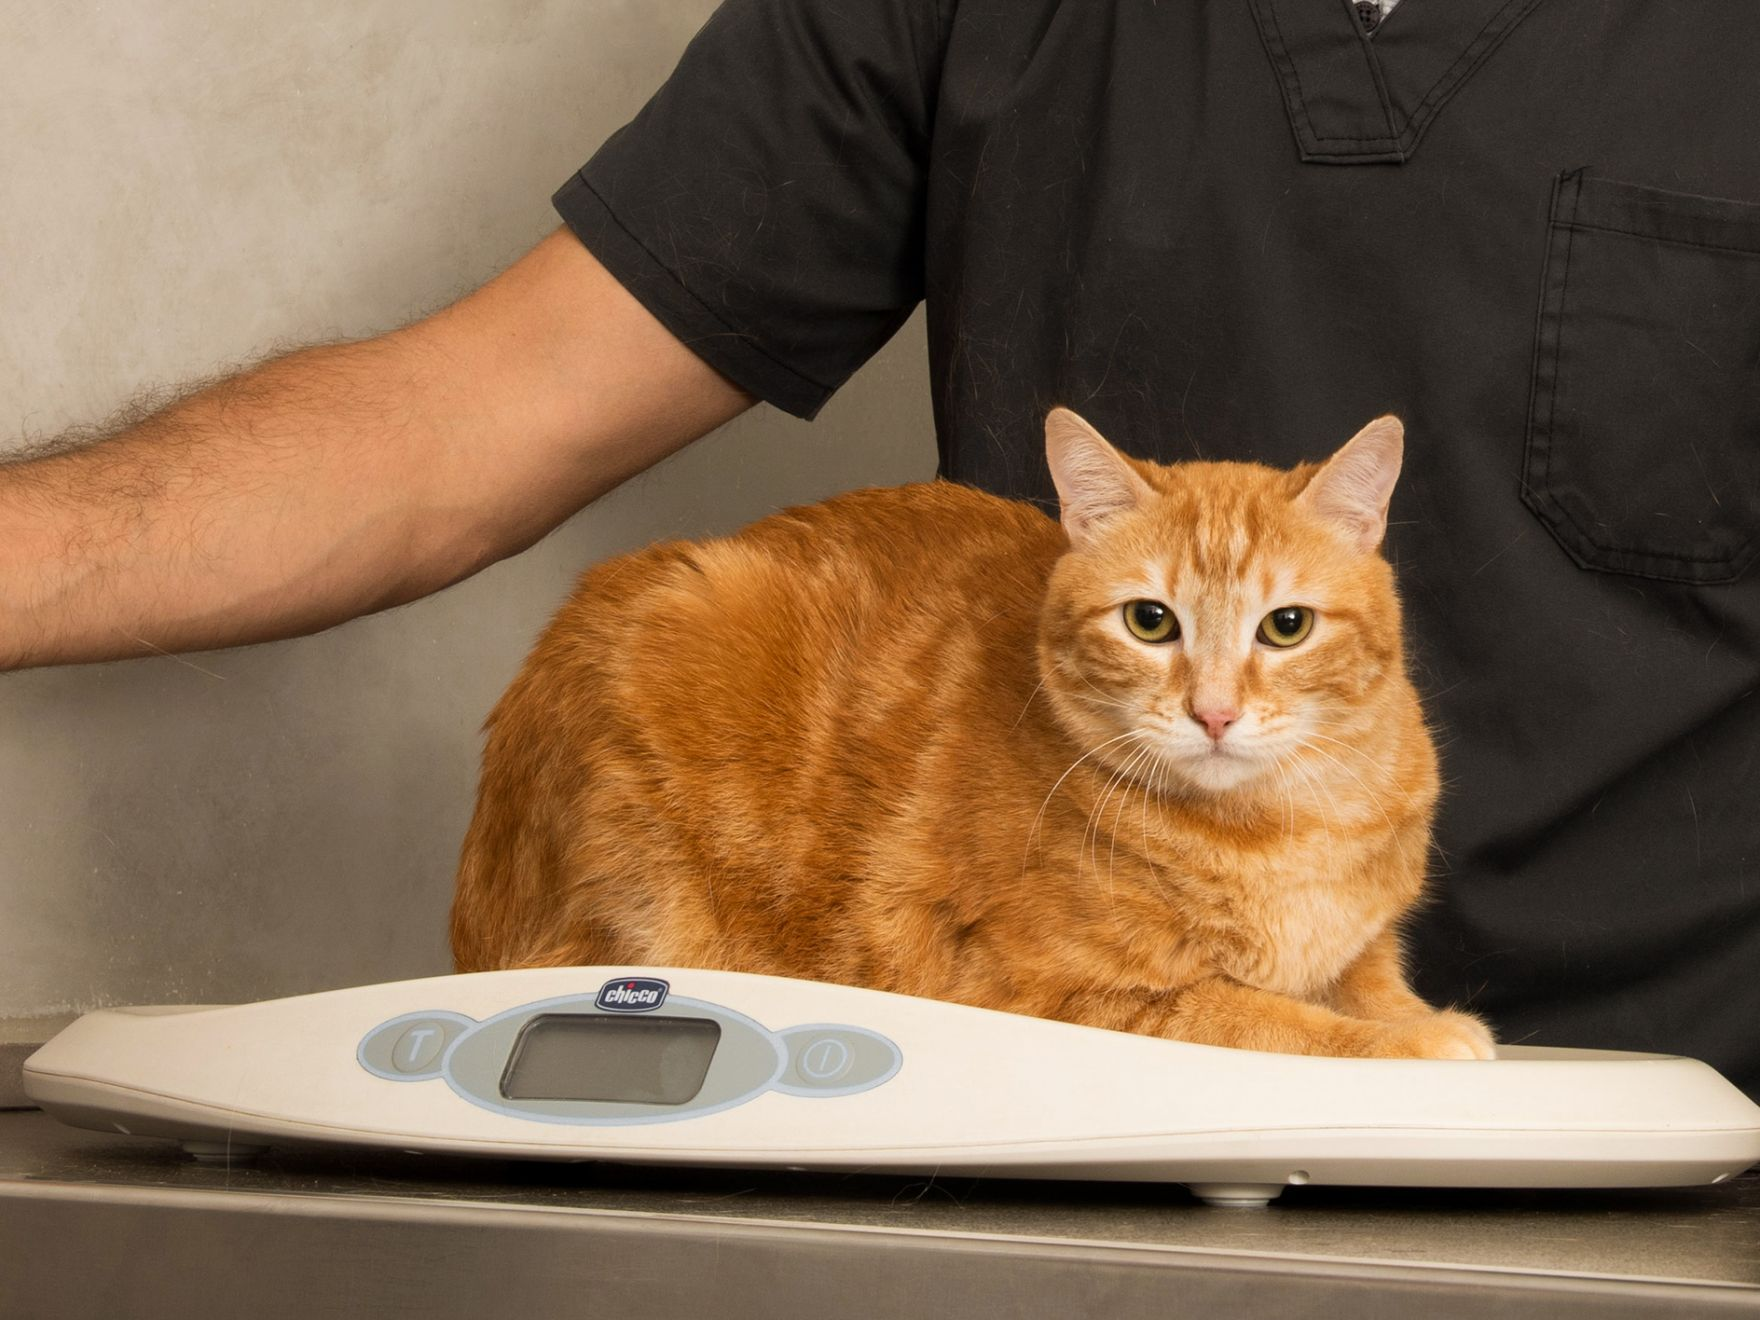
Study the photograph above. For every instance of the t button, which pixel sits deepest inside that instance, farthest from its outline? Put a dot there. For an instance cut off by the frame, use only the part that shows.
(411, 1048)
(416, 1049)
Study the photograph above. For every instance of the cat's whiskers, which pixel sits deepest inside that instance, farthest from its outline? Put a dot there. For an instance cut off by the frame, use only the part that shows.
(1358, 752)
(1096, 819)
(1155, 788)
(1342, 768)
(1159, 767)
(1129, 733)
(1146, 751)
(1288, 804)
(1092, 823)
(1325, 827)
(1294, 796)
(1035, 692)
(1354, 723)
(1064, 664)
(1102, 701)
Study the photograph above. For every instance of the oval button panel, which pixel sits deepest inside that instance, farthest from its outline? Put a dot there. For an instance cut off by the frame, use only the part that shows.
(825, 1060)
(836, 1060)
(818, 1061)
(412, 1048)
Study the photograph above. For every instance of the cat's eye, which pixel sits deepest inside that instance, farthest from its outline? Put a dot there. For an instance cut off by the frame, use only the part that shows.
(1151, 621)
(1286, 626)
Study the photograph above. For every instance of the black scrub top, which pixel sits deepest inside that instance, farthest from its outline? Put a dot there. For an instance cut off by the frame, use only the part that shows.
(1242, 228)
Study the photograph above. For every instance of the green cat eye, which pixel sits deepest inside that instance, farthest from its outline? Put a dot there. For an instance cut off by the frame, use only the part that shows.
(1286, 626)
(1151, 621)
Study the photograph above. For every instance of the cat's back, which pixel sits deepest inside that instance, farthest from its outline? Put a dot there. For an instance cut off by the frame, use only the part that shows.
(872, 608)
(909, 557)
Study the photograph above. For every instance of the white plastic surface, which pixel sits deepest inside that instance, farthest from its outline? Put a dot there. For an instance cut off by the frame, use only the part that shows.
(979, 1093)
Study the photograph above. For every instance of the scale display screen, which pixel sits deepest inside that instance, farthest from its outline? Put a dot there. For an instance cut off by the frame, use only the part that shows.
(646, 1060)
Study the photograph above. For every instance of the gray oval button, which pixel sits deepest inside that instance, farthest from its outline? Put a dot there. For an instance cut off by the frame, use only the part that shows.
(829, 1059)
(411, 1048)
(825, 1059)
(419, 1047)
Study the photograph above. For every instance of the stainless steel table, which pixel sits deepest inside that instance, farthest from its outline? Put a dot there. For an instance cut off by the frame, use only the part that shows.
(114, 1227)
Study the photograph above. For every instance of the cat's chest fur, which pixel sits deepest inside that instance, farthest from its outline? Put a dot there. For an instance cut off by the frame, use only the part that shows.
(1307, 932)
(1292, 924)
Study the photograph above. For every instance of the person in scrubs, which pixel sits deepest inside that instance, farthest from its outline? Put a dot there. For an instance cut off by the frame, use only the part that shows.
(1220, 229)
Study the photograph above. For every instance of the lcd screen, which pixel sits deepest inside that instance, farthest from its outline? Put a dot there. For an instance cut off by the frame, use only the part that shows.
(626, 1060)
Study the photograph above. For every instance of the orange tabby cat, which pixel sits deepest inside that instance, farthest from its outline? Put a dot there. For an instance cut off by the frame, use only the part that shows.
(1157, 769)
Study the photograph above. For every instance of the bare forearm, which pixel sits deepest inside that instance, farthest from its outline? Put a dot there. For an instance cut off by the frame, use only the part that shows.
(273, 503)
(344, 479)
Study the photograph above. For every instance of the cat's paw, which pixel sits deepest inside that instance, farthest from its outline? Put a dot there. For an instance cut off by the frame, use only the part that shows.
(1446, 1035)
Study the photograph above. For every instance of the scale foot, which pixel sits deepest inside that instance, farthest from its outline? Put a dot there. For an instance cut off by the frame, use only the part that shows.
(221, 1152)
(1236, 1196)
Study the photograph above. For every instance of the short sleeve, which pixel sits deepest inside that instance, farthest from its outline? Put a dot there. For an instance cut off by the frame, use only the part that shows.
(767, 205)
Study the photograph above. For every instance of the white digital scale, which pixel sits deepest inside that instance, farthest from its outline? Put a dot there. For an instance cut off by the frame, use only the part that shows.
(673, 1066)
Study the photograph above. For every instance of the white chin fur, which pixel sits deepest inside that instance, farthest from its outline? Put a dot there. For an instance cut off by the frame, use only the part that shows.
(1217, 771)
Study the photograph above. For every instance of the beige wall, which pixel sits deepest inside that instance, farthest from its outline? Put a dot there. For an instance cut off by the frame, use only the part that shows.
(187, 184)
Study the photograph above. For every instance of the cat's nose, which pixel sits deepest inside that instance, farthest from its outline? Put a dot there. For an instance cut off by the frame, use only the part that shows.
(1216, 720)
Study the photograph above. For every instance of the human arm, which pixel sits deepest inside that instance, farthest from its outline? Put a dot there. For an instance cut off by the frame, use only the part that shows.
(347, 478)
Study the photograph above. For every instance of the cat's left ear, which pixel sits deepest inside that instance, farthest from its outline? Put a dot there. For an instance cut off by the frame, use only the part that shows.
(1093, 479)
(1352, 488)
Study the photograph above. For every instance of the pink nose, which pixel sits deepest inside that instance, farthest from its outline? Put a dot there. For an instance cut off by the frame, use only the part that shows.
(1216, 722)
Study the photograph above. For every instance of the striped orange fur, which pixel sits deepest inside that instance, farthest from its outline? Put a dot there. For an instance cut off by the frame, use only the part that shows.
(908, 739)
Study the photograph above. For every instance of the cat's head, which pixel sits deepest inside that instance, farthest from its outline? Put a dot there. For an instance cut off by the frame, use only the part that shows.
(1220, 623)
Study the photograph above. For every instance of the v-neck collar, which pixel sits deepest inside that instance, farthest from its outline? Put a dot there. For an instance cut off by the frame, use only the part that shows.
(1356, 99)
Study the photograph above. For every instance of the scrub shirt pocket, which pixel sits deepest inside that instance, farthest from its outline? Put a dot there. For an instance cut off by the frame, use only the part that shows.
(1643, 447)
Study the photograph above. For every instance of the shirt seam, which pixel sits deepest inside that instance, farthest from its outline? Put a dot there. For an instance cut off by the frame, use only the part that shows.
(1478, 49)
(1473, 56)
(1379, 81)
(1301, 96)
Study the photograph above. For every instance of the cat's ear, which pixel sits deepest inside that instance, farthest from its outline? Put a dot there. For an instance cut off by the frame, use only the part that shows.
(1352, 488)
(1093, 479)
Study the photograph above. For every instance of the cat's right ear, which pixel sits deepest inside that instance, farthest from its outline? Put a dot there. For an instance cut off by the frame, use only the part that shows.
(1094, 482)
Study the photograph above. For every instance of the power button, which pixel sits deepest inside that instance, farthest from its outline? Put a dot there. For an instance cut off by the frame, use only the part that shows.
(836, 1060)
(825, 1060)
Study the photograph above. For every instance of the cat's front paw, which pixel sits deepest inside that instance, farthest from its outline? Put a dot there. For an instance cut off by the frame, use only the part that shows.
(1446, 1035)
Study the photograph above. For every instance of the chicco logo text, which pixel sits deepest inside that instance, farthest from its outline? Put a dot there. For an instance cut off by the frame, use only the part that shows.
(632, 994)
